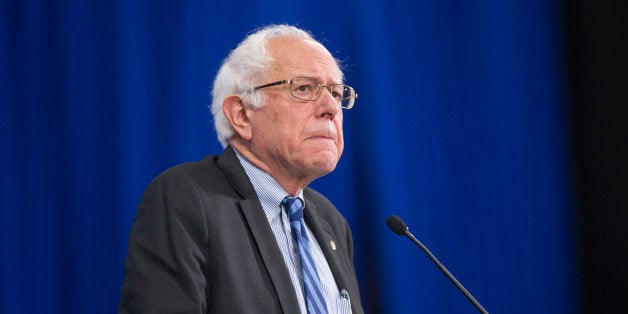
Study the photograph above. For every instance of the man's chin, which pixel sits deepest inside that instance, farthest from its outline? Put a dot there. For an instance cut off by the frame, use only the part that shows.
(324, 166)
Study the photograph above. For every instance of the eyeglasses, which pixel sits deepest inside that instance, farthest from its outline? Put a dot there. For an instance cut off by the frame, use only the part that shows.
(309, 89)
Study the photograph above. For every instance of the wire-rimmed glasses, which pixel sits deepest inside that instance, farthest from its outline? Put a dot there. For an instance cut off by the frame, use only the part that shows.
(309, 89)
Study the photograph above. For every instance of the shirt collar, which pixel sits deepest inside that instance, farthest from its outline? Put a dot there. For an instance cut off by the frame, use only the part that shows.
(270, 193)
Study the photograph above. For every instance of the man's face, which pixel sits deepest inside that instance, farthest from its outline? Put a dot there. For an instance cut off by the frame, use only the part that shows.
(298, 139)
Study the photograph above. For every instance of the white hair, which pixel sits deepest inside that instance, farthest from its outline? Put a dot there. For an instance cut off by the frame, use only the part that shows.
(245, 66)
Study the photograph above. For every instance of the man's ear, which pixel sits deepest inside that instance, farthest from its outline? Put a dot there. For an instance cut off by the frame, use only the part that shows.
(236, 112)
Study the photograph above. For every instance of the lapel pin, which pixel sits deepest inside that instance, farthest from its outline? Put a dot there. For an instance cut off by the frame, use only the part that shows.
(332, 244)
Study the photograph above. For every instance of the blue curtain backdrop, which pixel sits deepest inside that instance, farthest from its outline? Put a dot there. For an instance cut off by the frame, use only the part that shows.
(460, 129)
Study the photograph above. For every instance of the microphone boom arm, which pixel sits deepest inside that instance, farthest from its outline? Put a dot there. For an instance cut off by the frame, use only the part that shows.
(446, 272)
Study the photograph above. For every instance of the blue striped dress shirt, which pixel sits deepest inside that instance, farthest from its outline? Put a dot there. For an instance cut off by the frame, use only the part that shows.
(270, 194)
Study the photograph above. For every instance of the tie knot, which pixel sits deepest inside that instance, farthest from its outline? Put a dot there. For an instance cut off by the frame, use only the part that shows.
(294, 207)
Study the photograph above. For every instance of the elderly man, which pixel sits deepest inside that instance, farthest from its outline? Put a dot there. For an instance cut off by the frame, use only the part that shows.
(242, 232)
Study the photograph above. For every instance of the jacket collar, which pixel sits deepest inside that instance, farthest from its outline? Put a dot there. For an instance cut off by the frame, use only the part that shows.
(265, 239)
(263, 236)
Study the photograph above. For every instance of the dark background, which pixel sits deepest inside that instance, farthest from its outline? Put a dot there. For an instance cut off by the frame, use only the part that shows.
(598, 54)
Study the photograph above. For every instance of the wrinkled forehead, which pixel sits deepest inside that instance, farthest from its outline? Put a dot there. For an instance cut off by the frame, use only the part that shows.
(298, 56)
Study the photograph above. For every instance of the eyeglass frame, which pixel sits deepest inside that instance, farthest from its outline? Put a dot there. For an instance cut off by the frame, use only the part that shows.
(318, 93)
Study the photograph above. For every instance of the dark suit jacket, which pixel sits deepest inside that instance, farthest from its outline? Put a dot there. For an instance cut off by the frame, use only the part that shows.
(201, 243)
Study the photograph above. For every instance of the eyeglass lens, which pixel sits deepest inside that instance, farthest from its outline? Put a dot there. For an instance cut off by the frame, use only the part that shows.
(306, 88)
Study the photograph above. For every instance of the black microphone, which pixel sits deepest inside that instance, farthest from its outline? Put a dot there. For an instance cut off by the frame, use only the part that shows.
(399, 227)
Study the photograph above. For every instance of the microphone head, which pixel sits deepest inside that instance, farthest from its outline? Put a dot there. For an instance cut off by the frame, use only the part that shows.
(396, 225)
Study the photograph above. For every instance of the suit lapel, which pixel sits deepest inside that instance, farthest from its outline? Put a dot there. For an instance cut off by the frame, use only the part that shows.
(260, 230)
(329, 244)
(337, 259)
(271, 255)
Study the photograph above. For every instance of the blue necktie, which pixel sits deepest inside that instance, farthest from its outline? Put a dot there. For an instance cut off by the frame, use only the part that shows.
(311, 283)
